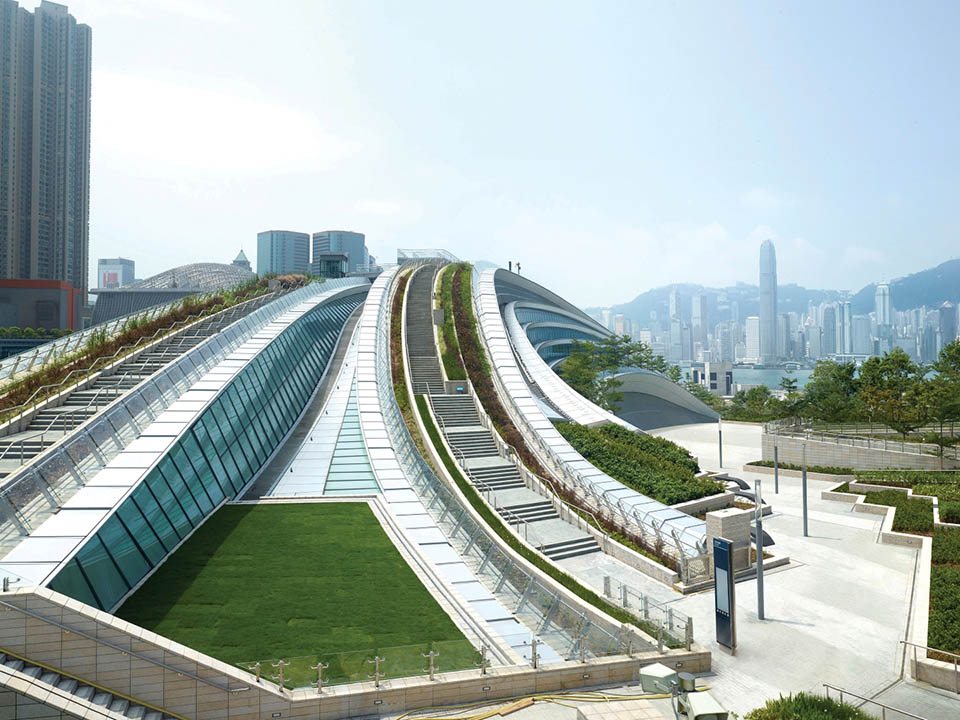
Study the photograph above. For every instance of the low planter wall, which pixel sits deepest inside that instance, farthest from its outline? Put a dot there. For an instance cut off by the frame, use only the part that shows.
(828, 477)
(706, 504)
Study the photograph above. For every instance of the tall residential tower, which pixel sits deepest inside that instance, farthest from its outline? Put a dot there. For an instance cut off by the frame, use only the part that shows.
(45, 164)
(768, 303)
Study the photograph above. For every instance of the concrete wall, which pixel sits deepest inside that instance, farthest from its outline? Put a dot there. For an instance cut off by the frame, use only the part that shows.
(837, 455)
(117, 655)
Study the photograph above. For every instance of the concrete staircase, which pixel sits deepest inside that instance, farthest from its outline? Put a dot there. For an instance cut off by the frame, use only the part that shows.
(81, 692)
(475, 447)
(51, 424)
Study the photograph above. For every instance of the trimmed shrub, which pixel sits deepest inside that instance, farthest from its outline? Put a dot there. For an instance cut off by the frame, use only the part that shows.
(807, 706)
(825, 469)
(943, 630)
(950, 512)
(946, 546)
(914, 515)
(449, 346)
(640, 464)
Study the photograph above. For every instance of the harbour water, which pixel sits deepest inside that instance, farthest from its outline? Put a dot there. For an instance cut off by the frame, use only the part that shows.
(770, 376)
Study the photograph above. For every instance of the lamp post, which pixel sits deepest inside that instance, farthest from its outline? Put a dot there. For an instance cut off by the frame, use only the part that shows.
(759, 503)
(720, 439)
(804, 487)
(776, 466)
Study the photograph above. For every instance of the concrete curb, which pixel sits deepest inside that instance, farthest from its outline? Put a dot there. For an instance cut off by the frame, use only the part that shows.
(828, 477)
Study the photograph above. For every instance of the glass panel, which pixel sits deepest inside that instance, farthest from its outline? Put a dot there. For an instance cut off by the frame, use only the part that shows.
(124, 550)
(138, 527)
(70, 581)
(156, 517)
(173, 509)
(102, 572)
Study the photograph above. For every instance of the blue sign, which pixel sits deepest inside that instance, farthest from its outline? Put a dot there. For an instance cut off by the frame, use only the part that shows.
(723, 588)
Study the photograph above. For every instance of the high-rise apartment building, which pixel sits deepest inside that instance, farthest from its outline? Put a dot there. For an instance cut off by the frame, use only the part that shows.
(768, 304)
(342, 241)
(115, 272)
(44, 162)
(283, 251)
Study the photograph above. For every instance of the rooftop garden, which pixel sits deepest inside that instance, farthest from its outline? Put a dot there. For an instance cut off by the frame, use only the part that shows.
(807, 706)
(298, 582)
(655, 467)
(449, 346)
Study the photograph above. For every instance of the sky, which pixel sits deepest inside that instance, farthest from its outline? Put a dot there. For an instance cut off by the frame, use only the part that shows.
(609, 147)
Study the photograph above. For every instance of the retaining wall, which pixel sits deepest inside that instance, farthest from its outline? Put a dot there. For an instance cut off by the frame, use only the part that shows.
(839, 455)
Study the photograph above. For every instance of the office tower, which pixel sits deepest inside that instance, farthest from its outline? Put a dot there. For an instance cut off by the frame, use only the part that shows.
(814, 342)
(342, 241)
(861, 337)
(44, 161)
(115, 272)
(753, 339)
(606, 319)
(829, 325)
(883, 307)
(675, 308)
(768, 303)
(726, 341)
(947, 323)
(282, 252)
(699, 319)
(241, 261)
(927, 340)
(620, 324)
(844, 328)
(784, 344)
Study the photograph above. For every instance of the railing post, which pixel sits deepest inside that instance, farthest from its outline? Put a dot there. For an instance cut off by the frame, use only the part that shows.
(688, 633)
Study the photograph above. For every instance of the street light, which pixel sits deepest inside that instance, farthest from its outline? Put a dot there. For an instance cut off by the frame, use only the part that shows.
(759, 503)
(804, 486)
(720, 439)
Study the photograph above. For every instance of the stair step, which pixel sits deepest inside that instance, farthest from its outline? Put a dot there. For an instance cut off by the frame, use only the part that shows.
(67, 685)
(102, 698)
(50, 678)
(85, 692)
(573, 553)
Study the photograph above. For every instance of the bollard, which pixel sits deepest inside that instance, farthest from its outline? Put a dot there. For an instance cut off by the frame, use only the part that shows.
(484, 663)
(688, 636)
(534, 655)
(319, 667)
(660, 635)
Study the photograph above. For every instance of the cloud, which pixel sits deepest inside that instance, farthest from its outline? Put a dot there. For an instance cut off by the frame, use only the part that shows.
(198, 129)
(765, 199)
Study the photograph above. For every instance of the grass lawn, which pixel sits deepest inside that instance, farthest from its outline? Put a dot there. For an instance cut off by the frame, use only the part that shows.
(259, 582)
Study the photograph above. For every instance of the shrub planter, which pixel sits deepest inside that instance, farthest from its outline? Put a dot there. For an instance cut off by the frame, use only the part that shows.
(828, 477)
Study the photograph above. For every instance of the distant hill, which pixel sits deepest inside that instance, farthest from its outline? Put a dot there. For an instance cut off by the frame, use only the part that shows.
(928, 287)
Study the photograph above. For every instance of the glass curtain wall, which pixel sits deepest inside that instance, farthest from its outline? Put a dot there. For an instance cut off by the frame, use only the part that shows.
(211, 462)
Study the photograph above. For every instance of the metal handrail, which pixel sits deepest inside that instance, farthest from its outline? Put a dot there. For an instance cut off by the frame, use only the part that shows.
(128, 651)
(955, 656)
(883, 706)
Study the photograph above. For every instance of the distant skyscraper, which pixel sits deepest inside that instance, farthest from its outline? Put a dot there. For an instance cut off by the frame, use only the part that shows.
(241, 261)
(675, 304)
(44, 149)
(699, 319)
(343, 241)
(753, 339)
(862, 340)
(844, 328)
(829, 337)
(948, 323)
(883, 307)
(768, 304)
(282, 251)
(114, 272)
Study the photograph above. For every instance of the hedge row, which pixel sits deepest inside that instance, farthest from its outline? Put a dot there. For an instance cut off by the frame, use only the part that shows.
(943, 628)
(449, 347)
(907, 478)
(623, 459)
(825, 469)
(914, 515)
(661, 447)
(807, 706)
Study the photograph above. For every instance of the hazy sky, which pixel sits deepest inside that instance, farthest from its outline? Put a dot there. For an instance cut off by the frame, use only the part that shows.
(609, 146)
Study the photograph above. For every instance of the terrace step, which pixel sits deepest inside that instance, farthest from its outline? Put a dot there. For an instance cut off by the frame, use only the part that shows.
(530, 512)
(570, 548)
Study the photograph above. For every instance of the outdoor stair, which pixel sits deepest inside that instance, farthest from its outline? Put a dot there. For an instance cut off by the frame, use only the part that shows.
(570, 548)
(472, 444)
(425, 373)
(496, 477)
(455, 410)
(82, 692)
(51, 424)
(529, 512)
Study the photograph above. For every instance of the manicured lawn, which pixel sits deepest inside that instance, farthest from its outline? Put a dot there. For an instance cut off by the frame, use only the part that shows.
(259, 582)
